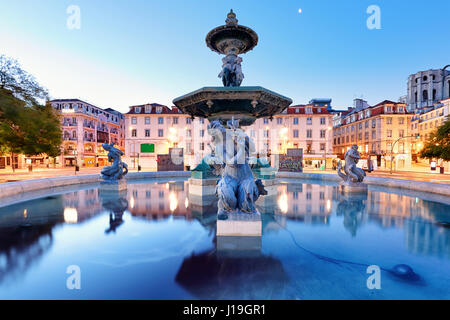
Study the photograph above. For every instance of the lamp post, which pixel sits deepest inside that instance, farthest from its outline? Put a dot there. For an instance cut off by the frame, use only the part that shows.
(392, 147)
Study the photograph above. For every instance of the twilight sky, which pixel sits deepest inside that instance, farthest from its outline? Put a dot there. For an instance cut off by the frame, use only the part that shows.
(142, 51)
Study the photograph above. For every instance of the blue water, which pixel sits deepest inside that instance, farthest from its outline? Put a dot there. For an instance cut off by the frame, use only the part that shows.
(153, 242)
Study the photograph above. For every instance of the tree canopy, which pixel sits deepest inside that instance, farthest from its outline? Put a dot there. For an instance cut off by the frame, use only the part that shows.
(30, 130)
(26, 126)
(438, 145)
(22, 84)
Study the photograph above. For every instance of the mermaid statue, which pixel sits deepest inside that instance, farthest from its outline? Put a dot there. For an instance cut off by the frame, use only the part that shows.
(118, 168)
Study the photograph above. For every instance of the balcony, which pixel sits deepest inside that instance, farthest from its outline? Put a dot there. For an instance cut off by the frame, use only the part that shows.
(70, 139)
(88, 125)
(69, 124)
(89, 139)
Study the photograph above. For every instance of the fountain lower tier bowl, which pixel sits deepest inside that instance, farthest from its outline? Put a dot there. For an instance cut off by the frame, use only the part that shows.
(242, 103)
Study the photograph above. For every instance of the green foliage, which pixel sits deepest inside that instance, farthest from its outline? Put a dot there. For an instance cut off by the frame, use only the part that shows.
(31, 130)
(438, 145)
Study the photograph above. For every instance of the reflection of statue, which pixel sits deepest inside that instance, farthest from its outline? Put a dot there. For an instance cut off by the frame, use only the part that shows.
(231, 73)
(352, 172)
(353, 211)
(116, 208)
(118, 168)
(236, 190)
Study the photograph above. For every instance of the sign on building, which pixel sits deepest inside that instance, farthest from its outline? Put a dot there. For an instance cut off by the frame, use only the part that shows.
(292, 161)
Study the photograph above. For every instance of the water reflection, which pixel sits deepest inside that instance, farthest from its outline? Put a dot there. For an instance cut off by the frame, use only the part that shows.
(159, 213)
(235, 269)
(115, 203)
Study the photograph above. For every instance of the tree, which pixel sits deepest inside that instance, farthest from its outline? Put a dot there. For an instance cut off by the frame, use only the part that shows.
(31, 130)
(22, 84)
(438, 145)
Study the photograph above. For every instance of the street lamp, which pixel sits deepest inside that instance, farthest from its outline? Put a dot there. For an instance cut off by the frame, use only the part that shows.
(392, 147)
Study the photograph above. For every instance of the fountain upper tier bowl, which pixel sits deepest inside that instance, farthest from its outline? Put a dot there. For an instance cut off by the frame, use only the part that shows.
(222, 103)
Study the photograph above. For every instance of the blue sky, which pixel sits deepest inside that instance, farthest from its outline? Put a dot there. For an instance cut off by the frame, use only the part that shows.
(141, 51)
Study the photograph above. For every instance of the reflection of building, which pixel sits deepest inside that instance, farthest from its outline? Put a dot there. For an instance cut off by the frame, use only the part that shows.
(159, 200)
(425, 88)
(309, 203)
(85, 128)
(375, 130)
(427, 239)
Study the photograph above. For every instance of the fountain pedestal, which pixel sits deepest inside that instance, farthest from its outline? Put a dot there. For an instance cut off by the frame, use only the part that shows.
(349, 187)
(113, 185)
(240, 225)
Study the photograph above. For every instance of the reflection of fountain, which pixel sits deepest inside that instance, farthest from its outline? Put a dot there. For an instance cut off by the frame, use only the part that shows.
(236, 269)
(233, 106)
(116, 203)
(352, 208)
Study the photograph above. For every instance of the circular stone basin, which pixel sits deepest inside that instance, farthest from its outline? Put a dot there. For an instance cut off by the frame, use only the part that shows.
(241, 103)
(156, 241)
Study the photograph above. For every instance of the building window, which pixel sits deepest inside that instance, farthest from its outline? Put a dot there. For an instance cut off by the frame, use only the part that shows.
(202, 133)
(137, 110)
(160, 120)
(374, 134)
(389, 120)
(309, 120)
(425, 95)
(160, 133)
(322, 147)
(366, 135)
(202, 120)
(266, 121)
(147, 120)
(374, 123)
(202, 146)
(295, 120)
(189, 148)
(389, 134)
(147, 132)
(279, 120)
(134, 133)
(148, 109)
(295, 133)
(322, 133)
(175, 120)
(309, 133)
(401, 133)
(308, 110)
(133, 120)
(266, 133)
(322, 121)
(188, 120)
(401, 120)
(158, 109)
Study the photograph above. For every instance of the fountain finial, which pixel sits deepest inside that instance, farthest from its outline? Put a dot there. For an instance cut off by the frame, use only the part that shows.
(231, 19)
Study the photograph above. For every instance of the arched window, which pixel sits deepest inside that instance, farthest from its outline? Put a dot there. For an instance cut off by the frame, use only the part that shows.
(425, 95)
(415, 96)
(425, 78)
(434, 94)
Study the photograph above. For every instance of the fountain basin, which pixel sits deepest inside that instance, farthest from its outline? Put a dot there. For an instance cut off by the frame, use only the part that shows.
(222, 103)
